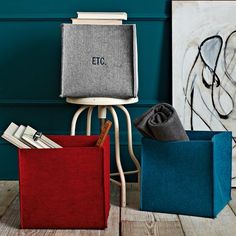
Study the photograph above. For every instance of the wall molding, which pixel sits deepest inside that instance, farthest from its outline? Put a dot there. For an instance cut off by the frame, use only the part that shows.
(61, 102)
(66, 16)
(123, 136)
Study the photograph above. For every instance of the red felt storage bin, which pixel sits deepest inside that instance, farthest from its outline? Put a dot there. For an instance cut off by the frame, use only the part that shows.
(67, 187)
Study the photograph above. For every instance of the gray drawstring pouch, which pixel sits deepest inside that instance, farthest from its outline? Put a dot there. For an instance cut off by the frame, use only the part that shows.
(99, 61)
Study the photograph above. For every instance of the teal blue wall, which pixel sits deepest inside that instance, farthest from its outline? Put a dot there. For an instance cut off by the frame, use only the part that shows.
(30, 50)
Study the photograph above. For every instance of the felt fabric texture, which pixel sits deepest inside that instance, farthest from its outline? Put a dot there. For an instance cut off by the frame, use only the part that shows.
(191, 178)
(161, 122)
(99, 61)
(67, 187)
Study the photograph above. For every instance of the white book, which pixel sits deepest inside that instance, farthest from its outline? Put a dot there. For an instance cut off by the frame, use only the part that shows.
(95, 22)
(28, 136)
(40, 142)
(18, 134)
(9, 136)
(103, 15)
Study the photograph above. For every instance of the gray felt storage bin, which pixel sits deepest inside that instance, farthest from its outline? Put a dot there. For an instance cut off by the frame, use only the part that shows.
(99, 61)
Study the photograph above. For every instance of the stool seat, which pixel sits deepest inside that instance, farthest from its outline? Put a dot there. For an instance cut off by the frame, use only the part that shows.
(101, 101)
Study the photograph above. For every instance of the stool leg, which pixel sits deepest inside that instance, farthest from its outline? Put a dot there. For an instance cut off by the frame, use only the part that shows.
(102, 115)
(117, 152)
(102, 122)
(130, 143)
(75, 117)
(89, 118)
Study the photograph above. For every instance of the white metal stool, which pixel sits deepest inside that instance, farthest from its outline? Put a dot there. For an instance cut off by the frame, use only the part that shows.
(105, 104)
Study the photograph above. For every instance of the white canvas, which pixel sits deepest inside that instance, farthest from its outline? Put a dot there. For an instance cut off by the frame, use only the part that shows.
(204, 65)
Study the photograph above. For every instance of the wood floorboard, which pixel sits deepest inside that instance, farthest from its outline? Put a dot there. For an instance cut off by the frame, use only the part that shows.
(9, 222)
(8, 192)
(161, 228)
(137, 223)
(223, 225)
(233, 201)
(127, 221)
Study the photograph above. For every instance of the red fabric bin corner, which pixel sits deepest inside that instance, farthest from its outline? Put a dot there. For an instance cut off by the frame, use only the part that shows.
(65, 188)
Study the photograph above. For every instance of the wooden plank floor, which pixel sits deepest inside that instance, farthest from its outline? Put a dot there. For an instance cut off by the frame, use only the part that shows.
(127, 221)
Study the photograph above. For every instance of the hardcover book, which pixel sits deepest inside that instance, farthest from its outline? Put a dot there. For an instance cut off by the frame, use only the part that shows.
(103, 15)
(9, 136)
(95, 22)
(40, 142)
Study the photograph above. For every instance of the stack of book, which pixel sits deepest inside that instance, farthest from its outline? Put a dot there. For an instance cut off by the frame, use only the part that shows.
(27, 137)
(99, 18)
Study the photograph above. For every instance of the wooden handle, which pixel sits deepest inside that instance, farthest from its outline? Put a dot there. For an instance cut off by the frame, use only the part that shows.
(104, 132)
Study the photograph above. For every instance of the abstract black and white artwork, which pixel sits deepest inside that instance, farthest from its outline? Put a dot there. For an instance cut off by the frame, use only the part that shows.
(204, 66)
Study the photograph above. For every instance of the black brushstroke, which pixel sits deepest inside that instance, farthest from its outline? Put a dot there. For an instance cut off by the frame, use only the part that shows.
(215, 83)
(225, 49)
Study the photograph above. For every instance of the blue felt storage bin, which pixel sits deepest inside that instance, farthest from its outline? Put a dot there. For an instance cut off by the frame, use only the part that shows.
(192, 178)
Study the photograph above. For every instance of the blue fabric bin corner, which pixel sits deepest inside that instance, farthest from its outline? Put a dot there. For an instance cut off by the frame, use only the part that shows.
(191, 178)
